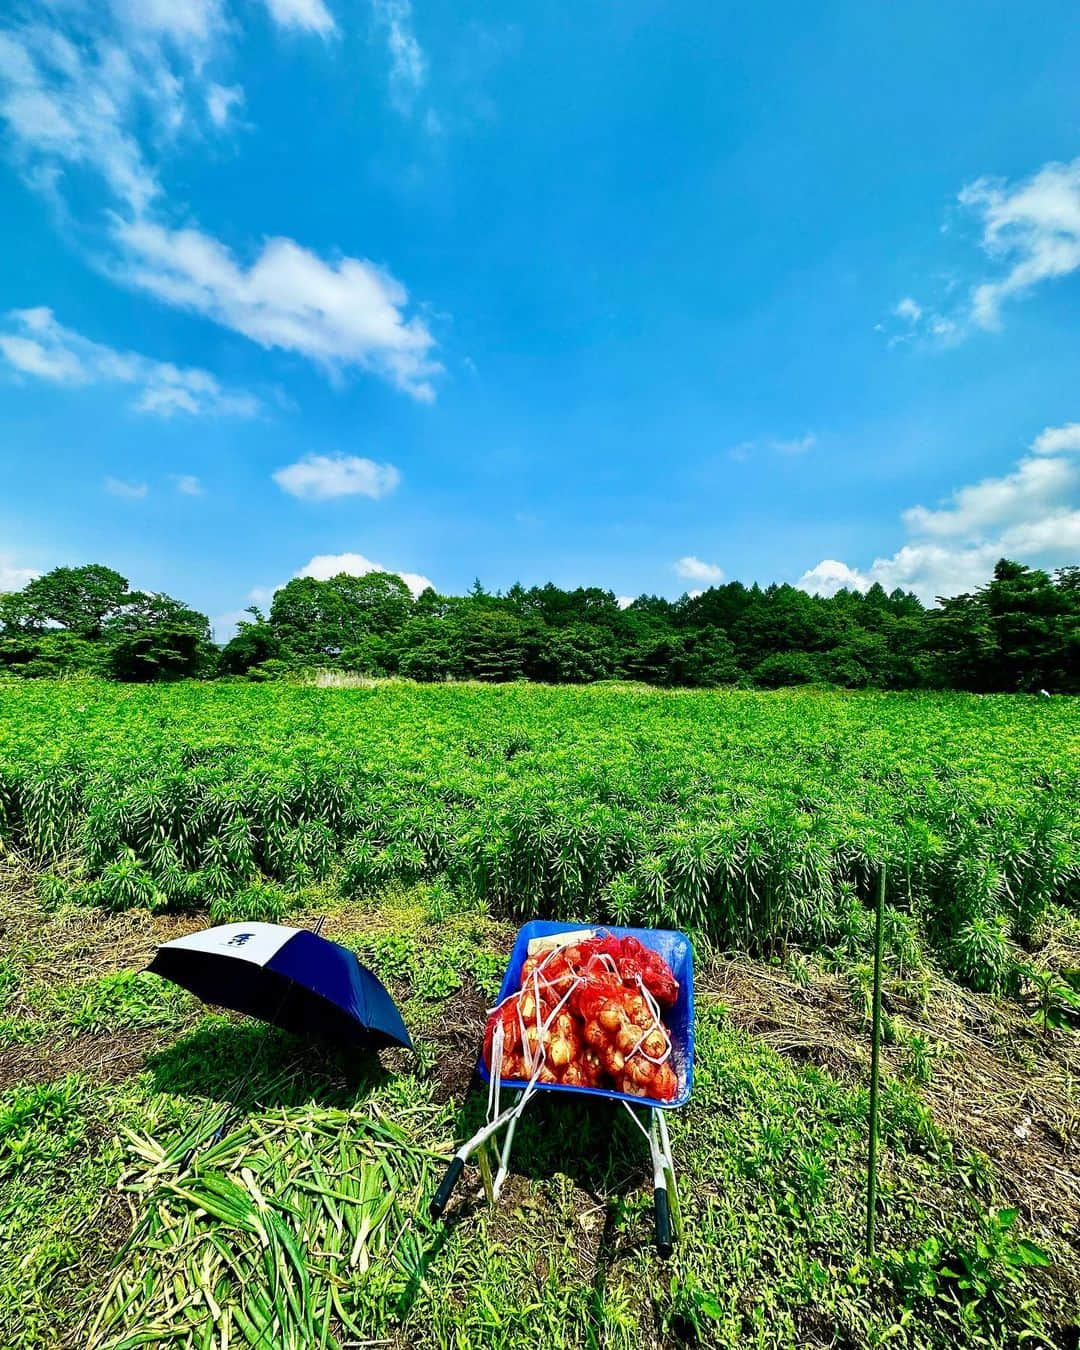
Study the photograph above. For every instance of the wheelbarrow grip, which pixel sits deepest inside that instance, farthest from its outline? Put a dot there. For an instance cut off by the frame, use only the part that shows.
(442, 1195)
(663, 1221)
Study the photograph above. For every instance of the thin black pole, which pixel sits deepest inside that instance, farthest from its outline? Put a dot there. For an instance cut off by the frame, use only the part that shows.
(875, 1060)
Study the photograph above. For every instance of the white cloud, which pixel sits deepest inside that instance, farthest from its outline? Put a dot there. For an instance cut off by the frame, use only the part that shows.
(186, 22)
(317, 478)
(40, 346)
(66, 107)
(795, 445)
(14, 578)
(831, 576)
(312, 16)
(73, 95)
(1033, 227)
(1031, 514)
(408, 65)
(188, 485)
(1030, 229)
(220, 101)
(119, 487)
(112, 92)
(624, 601)
(31, 358)
(1034, 487)
(693, 569)
(349, 313)
(326, 565)
(798, 445)
(1052, 440)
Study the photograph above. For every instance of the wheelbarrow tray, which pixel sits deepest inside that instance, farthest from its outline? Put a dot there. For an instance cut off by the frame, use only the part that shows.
(676, 950)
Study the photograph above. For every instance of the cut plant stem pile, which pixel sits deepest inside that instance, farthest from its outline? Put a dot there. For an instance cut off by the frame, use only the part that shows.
(279, 1236)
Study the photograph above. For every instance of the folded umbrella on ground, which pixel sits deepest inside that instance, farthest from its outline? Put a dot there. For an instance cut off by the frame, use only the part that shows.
(289, 977)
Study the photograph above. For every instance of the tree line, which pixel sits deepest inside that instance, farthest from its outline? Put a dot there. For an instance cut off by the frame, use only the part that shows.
(1018, 632)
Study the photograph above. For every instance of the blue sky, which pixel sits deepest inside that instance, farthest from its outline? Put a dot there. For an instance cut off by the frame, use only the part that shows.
(638, 294)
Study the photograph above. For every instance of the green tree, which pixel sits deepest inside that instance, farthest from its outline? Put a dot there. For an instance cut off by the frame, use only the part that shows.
(162, 653)
(80, 599)
(783, 668)
(147, 610)
(1030, 618)
(320, 619)
(493, 645)
(576, 654)
(253, 643)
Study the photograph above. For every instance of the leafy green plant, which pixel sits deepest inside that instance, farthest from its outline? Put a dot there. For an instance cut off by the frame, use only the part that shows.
(128, 999)
(980, 1278)
(126, 884)
(756, 821)
(982, 954)
(260, 902)
(1056, 996)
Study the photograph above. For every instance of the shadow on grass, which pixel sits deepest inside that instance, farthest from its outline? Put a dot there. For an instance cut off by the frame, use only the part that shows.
(591, 1142)
(249, 1065)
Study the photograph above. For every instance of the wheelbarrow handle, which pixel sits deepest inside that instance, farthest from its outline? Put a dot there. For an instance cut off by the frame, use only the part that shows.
(442, 1196)
(663, 1221)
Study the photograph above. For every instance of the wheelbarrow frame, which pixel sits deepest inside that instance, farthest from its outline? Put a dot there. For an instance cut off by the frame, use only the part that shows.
(677, 951)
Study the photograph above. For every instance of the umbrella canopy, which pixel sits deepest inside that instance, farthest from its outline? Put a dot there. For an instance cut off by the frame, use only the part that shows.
(287, 976)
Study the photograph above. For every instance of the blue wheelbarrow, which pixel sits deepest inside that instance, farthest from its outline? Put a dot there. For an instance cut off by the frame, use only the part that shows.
(676, 950)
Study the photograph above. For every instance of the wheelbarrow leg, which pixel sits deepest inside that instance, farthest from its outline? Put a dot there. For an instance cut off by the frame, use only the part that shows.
(457, 1162)
(673, 1189)
(661, 1207)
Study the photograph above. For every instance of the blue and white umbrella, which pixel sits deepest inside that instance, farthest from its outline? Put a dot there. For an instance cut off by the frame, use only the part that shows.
(287, 976)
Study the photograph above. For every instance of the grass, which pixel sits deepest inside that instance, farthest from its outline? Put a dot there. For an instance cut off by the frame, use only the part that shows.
(306, 1224)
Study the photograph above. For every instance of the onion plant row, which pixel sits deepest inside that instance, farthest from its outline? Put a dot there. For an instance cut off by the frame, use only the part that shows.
(753, 819)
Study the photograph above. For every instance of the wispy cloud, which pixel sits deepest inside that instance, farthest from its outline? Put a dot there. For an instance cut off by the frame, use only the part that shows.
(73, 95)
(188, 485)
(1032, 514)
(693, 569)
(220, 101)
(318, 478)
(797, 445)
(112, 90)
(408, 65)
(119, 487)
(1032, 228)
(311, 16)
(14, 578)
(1029, 229)
(37, 345)
(793, 445)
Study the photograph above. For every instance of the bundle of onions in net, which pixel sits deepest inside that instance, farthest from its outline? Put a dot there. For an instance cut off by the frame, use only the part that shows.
(589, 1014)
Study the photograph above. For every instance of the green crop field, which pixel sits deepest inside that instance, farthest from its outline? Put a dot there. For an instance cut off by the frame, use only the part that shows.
(423, 823)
